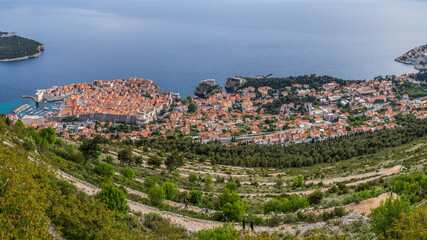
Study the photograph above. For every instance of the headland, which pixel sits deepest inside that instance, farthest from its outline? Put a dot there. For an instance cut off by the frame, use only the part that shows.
(416, 56)
(16, 48)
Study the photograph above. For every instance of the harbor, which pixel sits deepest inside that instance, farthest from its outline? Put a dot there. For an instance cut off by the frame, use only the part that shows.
(38, 109)
(20, 108)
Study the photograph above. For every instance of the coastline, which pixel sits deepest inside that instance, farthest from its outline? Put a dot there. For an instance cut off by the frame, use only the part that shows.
(40, 48)
(416, 57)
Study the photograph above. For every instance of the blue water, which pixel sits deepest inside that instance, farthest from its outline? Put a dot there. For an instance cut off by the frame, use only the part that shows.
(178, 43)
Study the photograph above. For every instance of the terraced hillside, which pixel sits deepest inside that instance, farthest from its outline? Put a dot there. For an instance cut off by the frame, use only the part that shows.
(93, 189)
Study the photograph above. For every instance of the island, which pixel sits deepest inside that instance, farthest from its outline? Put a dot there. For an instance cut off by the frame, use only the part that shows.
(16, 48)
(416, 56)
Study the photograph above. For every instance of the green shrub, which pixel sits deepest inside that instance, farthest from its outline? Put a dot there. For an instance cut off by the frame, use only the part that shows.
(217, 216)
(410, 225)
(343, 189)
(138, 160)
(315, 197)
(208, 180)
(220, 179)
(237, 181)
(125, 156)
(274, 221)
(165, 207)
(157, 195)
(48, 134)
(106, 170)
(287, 204)
(151, 219)
(279, 183)
(109, 159)
(3, 126)
(228, 232)
(192, 177)
(298, 182)
(202, 159)
(114, 198)
(337, 212)
(225, 232)
(257, 220)
(413, 185)
(231, 185)
(65, 187)
(234, 211)
(384, 216)
(128, 172)
(150, 181)
(29, 144)
(332, 190)
(171, 190)
(195, 196)
(155, 161)
(227, 196)
(163, 228)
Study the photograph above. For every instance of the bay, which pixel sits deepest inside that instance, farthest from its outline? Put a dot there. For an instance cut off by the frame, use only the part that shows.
(179, 43)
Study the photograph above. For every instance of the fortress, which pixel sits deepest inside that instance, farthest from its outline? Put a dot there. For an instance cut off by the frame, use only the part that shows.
(130, 100)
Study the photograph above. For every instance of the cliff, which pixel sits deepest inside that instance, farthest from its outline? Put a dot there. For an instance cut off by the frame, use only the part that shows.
(234, 83)
(206, 88)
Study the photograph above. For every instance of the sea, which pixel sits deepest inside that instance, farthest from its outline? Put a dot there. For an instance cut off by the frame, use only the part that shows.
(178, 43)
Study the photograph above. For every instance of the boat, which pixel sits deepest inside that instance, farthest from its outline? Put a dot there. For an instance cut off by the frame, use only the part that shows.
(45, 108)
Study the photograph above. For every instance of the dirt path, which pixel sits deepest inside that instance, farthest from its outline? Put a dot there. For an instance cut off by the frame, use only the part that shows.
(172, 203)
(187, 169)
(382, 172)
(375, 175)
(87, 188)
(366, 205)
(385, 172)
(193, 224)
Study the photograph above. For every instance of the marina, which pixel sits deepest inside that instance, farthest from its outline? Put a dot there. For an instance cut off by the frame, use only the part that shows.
(20, 108)
(39, 109)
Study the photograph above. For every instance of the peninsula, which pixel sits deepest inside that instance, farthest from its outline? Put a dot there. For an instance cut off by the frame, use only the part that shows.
(416, 56)
(15, 48)
(132, 100)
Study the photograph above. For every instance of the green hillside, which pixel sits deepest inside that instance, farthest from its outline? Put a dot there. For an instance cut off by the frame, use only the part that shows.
(55, 188)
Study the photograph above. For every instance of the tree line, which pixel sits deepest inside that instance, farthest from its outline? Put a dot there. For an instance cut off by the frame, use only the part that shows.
(312, 80)
(294, 155)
